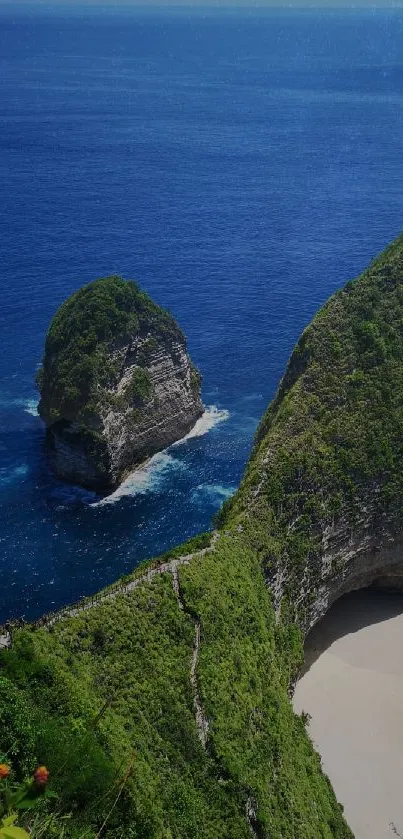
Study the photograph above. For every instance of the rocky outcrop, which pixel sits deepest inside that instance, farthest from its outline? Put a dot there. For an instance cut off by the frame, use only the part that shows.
(369, 554)
(117, 384)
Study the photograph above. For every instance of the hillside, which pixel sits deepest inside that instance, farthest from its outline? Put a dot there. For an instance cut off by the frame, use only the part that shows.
(162, 706)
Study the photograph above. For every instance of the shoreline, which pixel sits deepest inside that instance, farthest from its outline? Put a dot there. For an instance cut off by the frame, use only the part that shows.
(352, 688)
(136, 480)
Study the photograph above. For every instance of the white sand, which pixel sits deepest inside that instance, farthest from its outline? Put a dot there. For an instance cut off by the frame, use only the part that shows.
(354, 692)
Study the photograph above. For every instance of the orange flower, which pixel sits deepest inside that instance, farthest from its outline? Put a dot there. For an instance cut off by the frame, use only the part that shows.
(41, 776)
(4, 770)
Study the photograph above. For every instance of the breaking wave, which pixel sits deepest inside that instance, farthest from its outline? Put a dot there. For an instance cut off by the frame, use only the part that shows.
(145, 479)
(30, 406)
(215, 493)
(151, 476)
(211, 417)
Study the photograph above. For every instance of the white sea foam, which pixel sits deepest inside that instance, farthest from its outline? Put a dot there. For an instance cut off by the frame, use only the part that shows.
(216, 493)
(9, 476)
(145, 479)
(30, 406)
(150, 477)
(211, 417)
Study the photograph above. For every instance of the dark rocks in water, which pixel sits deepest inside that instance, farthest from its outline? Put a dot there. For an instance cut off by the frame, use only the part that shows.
(117, 384)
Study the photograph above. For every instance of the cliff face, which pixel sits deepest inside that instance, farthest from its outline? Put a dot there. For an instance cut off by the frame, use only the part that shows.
(117, 384)
(324, 486)
(189, 662)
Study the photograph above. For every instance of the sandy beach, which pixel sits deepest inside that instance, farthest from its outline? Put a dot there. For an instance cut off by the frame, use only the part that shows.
(353, 689)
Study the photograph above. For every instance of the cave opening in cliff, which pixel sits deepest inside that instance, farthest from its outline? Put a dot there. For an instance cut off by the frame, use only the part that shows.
(352, 612)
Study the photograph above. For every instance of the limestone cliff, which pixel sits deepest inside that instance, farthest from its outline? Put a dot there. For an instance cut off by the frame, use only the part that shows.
(324, 486)
(117, 384)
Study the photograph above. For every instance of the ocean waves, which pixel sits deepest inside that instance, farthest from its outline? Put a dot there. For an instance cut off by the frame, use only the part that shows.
(213, 494)
(152, 476)
(212, 416)
(13, 475)
(30, 406)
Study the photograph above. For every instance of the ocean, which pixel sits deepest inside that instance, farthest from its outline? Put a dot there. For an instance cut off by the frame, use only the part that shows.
(241, 165)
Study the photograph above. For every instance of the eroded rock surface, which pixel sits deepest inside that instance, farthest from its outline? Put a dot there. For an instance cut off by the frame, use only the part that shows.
(117, 384)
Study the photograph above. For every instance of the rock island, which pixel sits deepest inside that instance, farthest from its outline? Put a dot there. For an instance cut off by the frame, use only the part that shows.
(117, 384)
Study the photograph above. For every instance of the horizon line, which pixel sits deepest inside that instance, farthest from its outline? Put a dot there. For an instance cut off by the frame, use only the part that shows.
(300, 5)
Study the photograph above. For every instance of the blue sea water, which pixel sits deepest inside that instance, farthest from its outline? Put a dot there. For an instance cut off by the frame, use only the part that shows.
(241, 165)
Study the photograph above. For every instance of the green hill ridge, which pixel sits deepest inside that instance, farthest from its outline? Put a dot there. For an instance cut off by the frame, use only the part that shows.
(162, 706)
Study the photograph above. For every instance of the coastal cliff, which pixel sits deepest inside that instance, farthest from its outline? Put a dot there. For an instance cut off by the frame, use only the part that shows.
(116, 384)
(324, 487)
(162, 705)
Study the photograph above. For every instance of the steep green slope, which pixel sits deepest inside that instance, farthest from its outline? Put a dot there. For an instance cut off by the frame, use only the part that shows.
(117, 696)
(114, 682)
(327, 459)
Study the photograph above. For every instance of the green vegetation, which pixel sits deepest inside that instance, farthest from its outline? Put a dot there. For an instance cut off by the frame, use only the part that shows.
(105, 698)
(139, 387)
(331, 442)
(147, 348)
(137, 391)
(118, 686)
(195, 380)
(109, 352)
(81, 359)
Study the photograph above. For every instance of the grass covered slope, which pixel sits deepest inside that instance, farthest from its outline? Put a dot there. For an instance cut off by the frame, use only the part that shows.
(110, 700)
(329, 449)
(116, 698)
